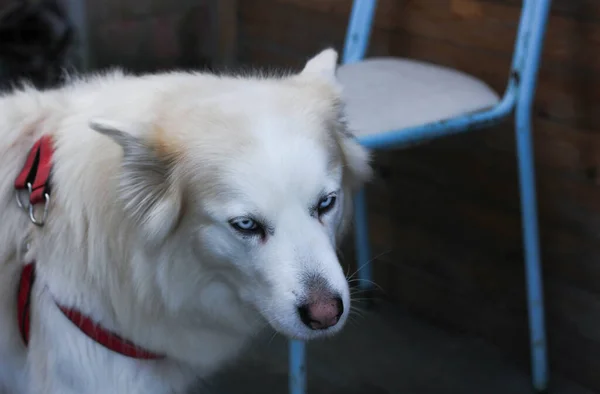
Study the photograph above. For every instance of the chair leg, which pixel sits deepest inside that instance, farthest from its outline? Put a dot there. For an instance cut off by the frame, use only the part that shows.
(539, 367)
(523, 122)
(361, 240)
(297, 367)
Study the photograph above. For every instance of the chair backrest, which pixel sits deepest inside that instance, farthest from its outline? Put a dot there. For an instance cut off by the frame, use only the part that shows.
(363, 13)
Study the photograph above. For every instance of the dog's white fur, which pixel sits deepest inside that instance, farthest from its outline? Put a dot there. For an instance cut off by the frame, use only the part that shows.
(148, 171)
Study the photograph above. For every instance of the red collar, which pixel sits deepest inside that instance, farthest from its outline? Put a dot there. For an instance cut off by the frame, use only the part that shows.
(34, 178)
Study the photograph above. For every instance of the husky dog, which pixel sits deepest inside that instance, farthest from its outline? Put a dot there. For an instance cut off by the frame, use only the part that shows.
(185, 212)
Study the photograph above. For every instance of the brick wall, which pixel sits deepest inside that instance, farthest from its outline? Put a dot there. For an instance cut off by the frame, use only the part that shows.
(148, 35)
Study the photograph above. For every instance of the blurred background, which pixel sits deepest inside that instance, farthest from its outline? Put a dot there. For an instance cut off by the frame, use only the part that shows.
(450, 315)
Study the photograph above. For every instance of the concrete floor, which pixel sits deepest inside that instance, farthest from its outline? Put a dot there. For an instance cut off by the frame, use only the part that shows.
(384, 351)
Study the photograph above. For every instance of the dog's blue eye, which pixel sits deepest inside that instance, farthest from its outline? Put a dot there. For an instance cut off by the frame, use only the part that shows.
(326, 204)
(245, 225)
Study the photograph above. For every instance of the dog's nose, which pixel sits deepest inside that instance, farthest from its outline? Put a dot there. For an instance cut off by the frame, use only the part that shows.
(321, 314)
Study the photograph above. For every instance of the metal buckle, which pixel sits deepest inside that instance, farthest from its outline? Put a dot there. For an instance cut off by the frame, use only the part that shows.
(18, 196)
(45, 214)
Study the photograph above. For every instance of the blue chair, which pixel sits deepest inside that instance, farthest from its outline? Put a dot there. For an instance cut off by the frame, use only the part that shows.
(394, 102)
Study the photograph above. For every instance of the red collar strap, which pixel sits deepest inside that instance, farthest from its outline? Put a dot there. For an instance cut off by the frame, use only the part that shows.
(36, 171)
(104, 337)
(35, 178)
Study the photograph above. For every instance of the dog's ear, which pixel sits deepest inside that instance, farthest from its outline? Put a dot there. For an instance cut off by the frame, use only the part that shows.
(356, 161)
(357, 171)
(357, 166)
(323, 64)
(151, 195)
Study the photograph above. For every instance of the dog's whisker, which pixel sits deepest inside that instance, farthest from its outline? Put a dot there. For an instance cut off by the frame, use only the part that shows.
(354, 314)
(355, 308)
(352, 320)
(272, 337)
(358, 290)
(360, 280)
(368, 262)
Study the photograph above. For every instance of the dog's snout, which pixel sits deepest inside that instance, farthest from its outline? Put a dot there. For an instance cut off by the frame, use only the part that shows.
(322, 313)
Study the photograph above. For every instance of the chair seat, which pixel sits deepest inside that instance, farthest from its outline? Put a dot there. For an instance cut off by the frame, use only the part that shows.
(384, 94)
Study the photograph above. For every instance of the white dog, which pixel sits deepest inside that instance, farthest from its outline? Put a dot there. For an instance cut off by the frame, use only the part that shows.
(185, 212)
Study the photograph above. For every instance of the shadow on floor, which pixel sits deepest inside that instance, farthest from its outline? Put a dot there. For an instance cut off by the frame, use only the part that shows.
(382, 352)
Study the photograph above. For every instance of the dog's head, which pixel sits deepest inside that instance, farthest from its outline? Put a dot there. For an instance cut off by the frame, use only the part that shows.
(251, 181)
